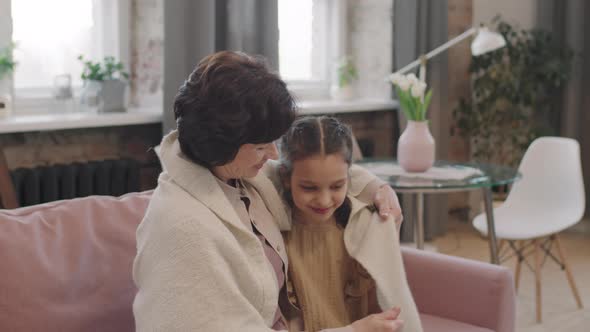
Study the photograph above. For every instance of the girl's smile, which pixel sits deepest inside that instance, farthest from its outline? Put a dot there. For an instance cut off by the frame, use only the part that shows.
(321, 210)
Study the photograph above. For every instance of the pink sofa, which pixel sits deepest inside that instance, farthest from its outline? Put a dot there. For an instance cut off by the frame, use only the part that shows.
(66, 266)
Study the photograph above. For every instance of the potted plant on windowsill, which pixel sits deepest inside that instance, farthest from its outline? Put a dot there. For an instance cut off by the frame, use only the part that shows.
(416, 146)
(347, 74)
(104, 84)
(7, 66)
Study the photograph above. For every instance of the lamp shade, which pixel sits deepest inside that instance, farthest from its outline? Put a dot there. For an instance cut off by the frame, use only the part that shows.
(486, 41)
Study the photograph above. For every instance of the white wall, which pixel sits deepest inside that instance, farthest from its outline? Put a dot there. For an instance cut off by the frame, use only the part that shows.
(5, 23)
(370, 44)
(522, 13)
(5, 38)
(147, 52)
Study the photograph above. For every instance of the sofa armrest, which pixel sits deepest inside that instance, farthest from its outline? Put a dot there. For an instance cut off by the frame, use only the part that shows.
(464, 290)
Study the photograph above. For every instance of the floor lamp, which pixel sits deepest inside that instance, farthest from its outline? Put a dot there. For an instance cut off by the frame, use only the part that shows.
(485, 41)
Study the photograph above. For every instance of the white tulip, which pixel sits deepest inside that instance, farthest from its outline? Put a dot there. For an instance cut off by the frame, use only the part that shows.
(396, 78)
(418, 89)
(412, 78)
(404, 84)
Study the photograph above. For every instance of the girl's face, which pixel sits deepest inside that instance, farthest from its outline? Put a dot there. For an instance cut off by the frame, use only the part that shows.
(318, 185)
(248, 161)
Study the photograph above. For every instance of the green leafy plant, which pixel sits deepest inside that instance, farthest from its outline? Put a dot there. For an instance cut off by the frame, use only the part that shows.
(7, 63)
(108, 69)
(514, 94)
(347, 72)
(411, 95)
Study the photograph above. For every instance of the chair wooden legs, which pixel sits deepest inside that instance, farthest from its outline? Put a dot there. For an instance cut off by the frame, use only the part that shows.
(518, 246)
(568, 272)
(501, 244)
(537, 245)
(540, 247)
(8, 198)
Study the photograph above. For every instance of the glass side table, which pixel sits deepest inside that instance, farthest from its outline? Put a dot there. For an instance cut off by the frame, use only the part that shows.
(491, 175)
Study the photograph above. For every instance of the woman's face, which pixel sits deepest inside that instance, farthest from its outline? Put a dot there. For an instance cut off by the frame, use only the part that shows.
(248, 161)
(318, 186)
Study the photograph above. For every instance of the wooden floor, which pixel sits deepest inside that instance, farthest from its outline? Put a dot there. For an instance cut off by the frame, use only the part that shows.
(560, 312)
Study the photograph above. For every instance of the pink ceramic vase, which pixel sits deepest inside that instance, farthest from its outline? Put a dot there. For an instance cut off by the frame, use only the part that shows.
(415, 148)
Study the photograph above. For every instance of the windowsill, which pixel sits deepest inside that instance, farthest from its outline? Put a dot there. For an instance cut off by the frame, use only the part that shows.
(147, 115)
(75, 120)
(349, 106)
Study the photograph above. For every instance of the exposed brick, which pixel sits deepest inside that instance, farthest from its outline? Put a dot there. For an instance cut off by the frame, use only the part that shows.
(378, 128)
(80, 145)
(460, 19)
(370, 44)
(147, 51)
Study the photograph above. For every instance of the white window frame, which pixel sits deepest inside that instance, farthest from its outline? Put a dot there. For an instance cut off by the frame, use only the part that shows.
(332, 34)
(113, 36)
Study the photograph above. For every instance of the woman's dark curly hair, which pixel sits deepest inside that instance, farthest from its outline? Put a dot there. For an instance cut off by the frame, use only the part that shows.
(230, 99)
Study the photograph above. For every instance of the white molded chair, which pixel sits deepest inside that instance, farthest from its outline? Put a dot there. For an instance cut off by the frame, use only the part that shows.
(548, 199)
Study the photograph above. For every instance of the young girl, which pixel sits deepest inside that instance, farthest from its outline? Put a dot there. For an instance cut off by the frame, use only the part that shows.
(343, 266)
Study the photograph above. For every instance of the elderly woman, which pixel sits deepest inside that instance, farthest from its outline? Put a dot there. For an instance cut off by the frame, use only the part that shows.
(210, 253)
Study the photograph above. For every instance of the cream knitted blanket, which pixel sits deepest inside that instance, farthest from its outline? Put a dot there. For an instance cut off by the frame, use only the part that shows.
(375, 245)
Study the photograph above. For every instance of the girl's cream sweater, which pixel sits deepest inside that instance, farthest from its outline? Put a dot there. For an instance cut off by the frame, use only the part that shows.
(331, 288)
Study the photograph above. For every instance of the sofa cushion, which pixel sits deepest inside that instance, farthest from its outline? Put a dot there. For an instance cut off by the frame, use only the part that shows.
(66, 265)
(438, 324)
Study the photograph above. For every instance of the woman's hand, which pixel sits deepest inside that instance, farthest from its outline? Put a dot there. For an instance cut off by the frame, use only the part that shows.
(383, 322)
(387, 204)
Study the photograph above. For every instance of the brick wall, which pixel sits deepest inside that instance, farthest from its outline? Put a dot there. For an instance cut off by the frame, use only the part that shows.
(147, 52)
(79, 145)
(460, 19)
(376, 132)
(370, 44)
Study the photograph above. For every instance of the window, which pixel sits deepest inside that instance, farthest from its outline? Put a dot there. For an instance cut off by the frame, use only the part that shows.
(50, 35)
(311, 34)
(295, 41)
